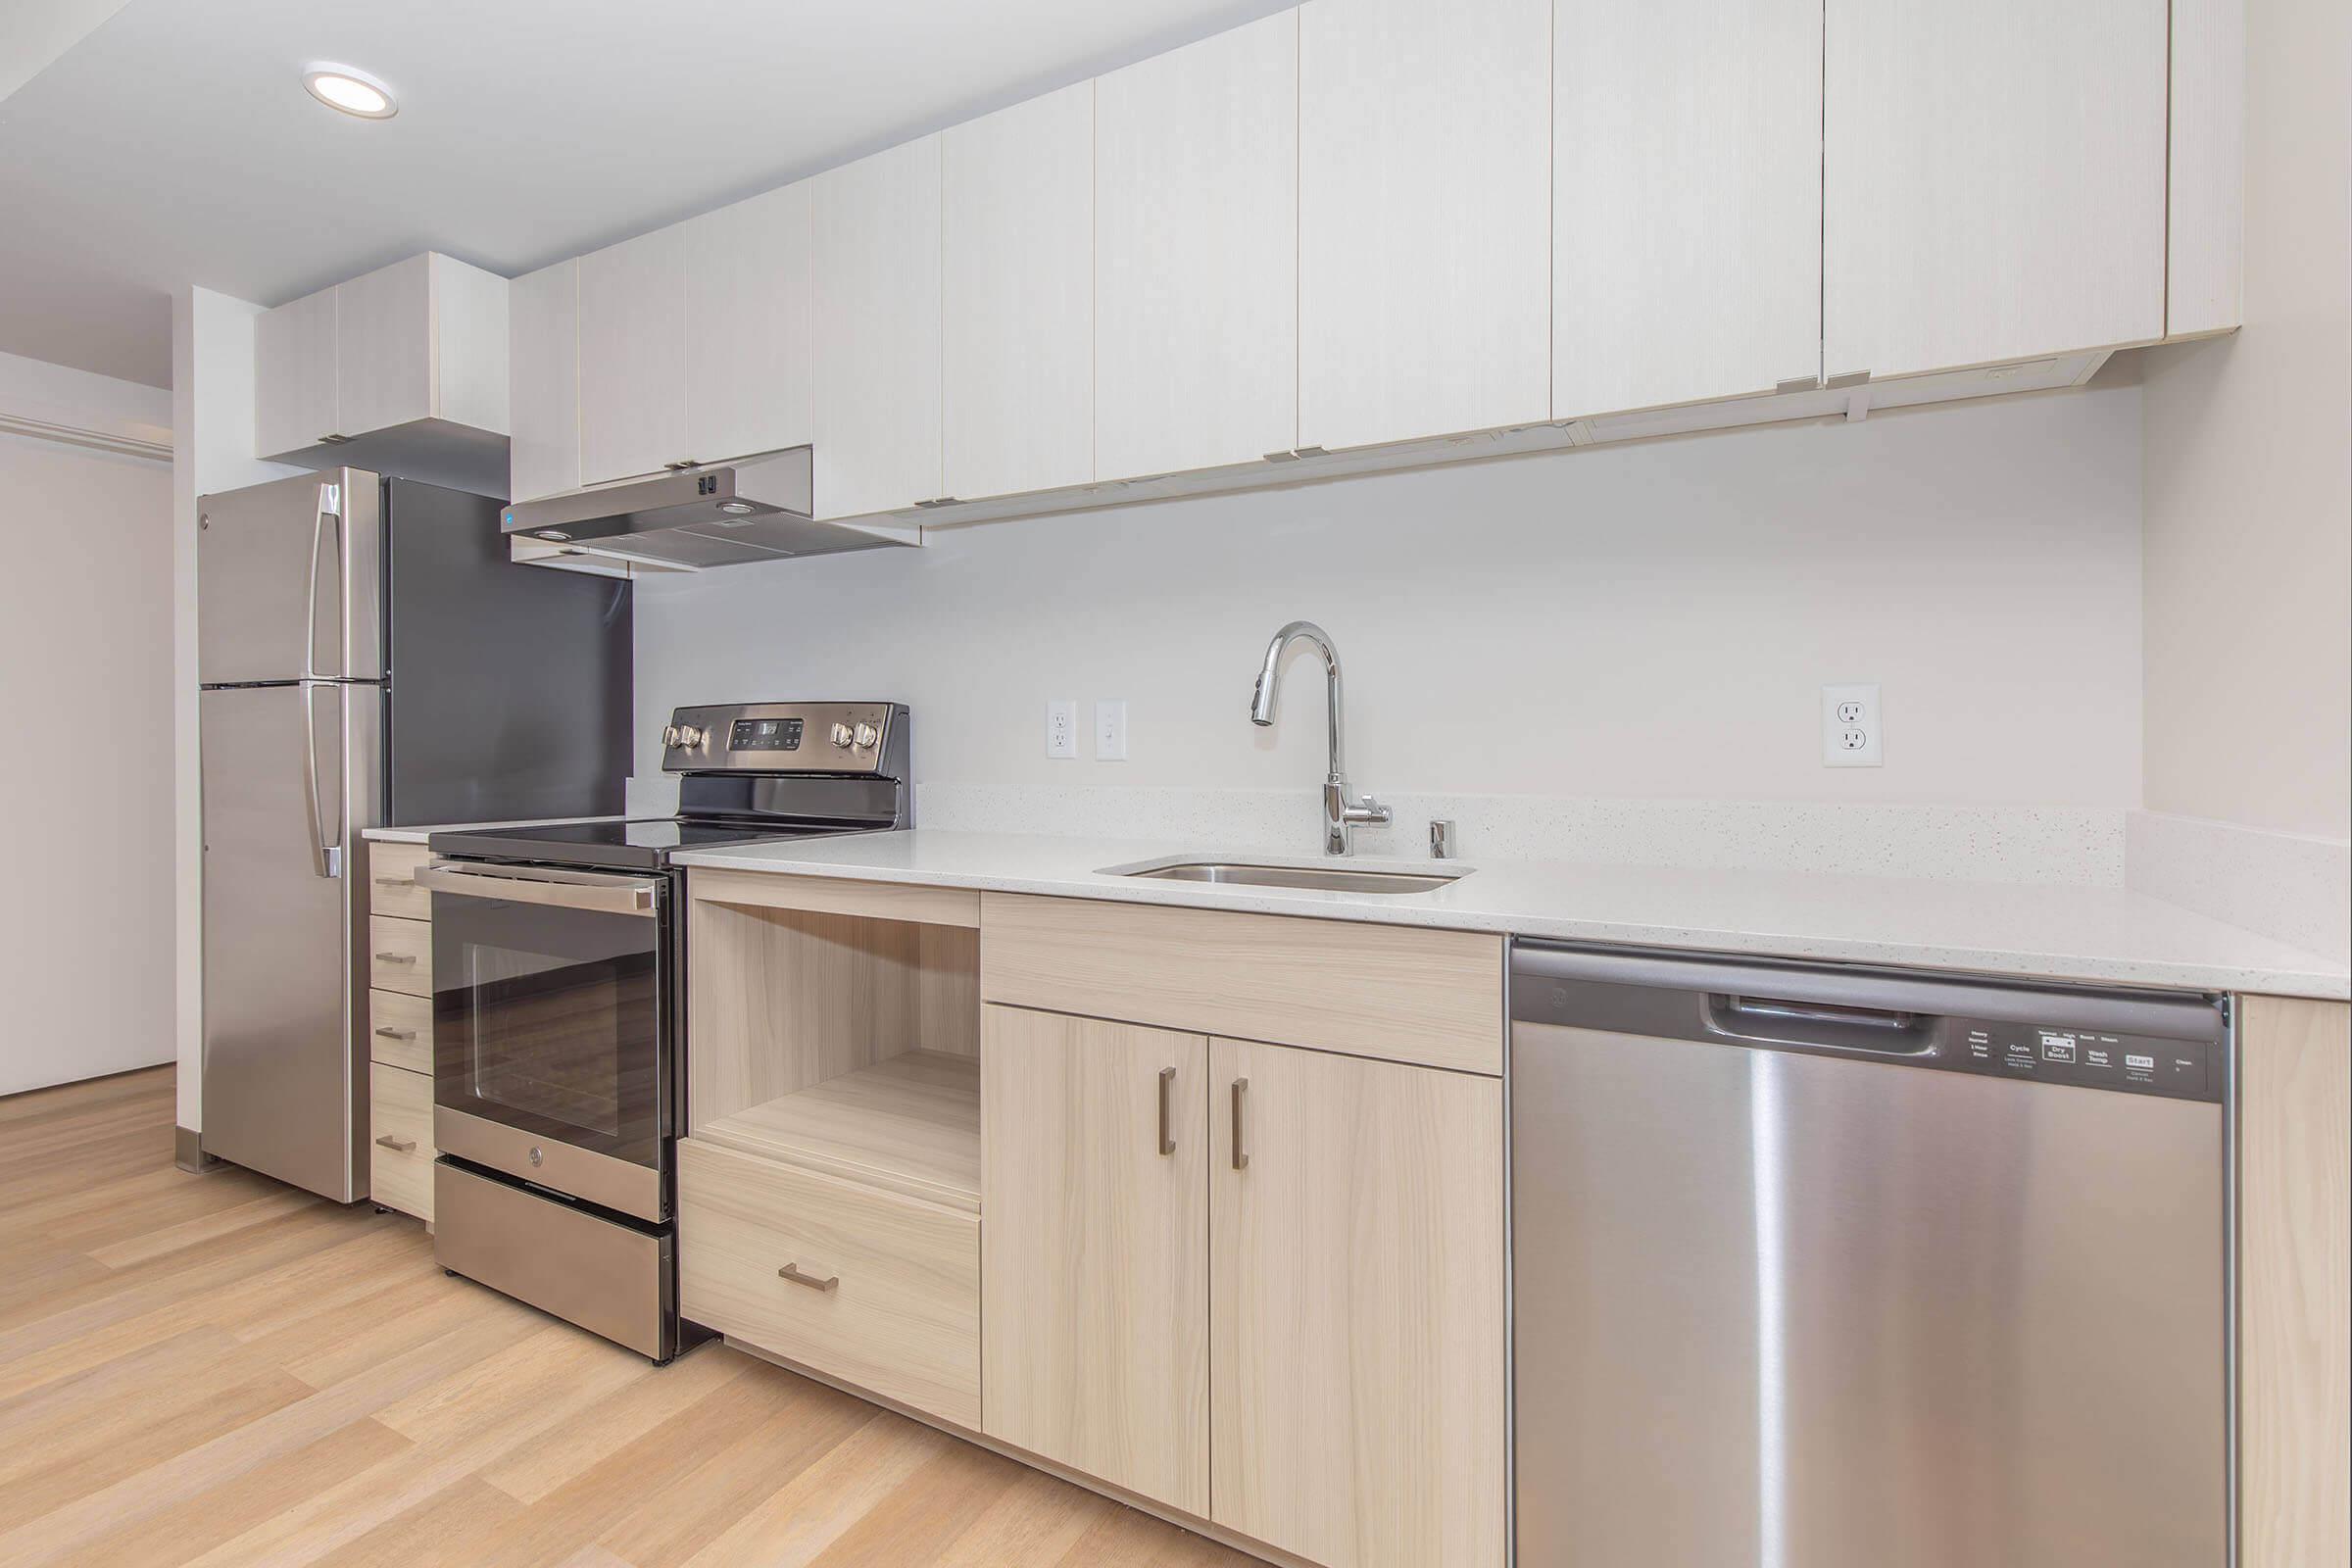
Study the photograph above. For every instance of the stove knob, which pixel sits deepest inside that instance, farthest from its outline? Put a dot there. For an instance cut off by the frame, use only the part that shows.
(842, 736)
(865, 736)
(669, 735)
(690, 736)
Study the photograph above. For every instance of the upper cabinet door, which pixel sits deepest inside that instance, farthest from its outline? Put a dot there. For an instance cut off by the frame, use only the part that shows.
(1424, 217)
(633, 357)
(384, 347)
(748, 344)
(1686, 201)
(1994, 181)
(543, 334)
(294, 374)
(1196, 254)
(1018, 291)
(878, 332)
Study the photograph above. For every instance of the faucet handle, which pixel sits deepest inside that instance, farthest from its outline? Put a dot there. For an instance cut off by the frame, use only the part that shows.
(1364, 808)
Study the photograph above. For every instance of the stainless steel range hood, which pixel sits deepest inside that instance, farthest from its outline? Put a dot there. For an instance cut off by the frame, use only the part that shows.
(727, 515)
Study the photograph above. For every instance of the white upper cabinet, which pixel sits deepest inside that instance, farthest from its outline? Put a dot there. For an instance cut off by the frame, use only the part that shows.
(877, 332)
(748, 325)
(1424, 217)
(1994, 181)
(1687, 200)
(423, 339)
(633, 357)
(1018, 233)
(543, 360)
(294, 375)
(384, 356)
(1196, 254)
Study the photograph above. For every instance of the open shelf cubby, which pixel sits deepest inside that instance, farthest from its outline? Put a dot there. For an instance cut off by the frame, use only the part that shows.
(847, 1044)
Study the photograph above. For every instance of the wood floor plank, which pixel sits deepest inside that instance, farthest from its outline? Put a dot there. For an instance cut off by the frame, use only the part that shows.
(179, 1534)
(216, 1371)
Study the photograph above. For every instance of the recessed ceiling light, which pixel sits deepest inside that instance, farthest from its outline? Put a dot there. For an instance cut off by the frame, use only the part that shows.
(354, 92)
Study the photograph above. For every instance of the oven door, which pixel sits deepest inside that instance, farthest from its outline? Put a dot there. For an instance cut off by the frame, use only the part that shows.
(550, 1047)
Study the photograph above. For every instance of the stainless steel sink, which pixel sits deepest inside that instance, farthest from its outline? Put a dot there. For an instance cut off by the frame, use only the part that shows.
(1338, 879)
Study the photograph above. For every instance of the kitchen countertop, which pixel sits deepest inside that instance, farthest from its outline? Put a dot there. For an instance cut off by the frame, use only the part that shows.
(418, 835)
(2098, 935)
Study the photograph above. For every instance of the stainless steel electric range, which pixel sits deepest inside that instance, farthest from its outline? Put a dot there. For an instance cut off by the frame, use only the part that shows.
(559, 1006)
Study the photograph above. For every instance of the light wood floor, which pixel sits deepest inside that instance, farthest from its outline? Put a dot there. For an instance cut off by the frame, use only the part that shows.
(220, 1369)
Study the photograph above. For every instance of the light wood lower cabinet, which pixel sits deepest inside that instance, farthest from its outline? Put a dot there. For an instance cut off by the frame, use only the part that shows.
(399, 1140)
(1356, 1309)
(400, 954)
(879, 1291)
(400, 1030)
(2294, 1304)
(1094, 1250)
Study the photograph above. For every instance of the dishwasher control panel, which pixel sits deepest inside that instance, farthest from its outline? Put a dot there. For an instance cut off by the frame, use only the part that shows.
(2178, 1069)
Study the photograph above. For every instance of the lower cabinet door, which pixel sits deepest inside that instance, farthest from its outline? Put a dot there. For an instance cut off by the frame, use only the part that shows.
(1094, 1323)
(1358, 1311)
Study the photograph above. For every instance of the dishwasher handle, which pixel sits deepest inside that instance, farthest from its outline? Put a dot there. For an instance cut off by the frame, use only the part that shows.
(1826, 1026)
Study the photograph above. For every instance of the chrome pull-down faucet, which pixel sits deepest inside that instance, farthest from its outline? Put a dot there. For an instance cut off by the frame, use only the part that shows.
(1340, 813)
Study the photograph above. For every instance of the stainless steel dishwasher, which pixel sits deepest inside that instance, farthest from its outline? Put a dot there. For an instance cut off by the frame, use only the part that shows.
(1818, 1267)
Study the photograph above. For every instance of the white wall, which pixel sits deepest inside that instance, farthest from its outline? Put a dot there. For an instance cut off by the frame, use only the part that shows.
(211, 411)
(2249, 492)
(85, 732)
(1641, 620)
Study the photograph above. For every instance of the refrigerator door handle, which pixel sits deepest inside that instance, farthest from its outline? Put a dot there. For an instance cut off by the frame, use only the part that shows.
(330, 504)
(327, 850)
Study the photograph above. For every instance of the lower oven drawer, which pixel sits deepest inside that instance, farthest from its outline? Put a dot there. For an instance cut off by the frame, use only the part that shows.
(608, 1278)
(884, 1291)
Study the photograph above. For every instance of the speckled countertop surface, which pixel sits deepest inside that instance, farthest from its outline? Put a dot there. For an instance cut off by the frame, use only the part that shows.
(2096, 935)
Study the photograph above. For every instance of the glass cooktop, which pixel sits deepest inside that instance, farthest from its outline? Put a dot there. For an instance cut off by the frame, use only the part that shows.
(644, 844)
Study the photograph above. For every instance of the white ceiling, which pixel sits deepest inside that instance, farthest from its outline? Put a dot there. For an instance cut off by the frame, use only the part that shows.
(175, 143)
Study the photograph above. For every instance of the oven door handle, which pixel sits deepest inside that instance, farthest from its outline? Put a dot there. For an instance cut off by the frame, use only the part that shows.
(565, 890)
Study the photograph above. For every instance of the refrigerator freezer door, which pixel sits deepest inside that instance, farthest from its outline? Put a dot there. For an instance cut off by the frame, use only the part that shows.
(289, 581)
(284, 917)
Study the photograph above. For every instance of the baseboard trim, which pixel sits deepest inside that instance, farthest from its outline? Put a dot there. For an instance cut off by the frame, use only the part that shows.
(188, 1152)
(1061, 1472)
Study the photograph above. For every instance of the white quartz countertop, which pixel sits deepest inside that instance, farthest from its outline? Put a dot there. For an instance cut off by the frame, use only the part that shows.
(418, 835)
(2098, 935)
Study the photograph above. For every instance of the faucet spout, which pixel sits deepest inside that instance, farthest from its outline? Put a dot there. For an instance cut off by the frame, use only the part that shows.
(1341, 813)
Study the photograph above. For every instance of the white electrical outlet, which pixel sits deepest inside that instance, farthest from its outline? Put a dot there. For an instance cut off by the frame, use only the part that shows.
(1061, 727)
(1851, 734)
(1110, 729)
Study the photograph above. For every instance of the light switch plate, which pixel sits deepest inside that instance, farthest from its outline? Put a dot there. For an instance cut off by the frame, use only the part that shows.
(1061, 727)
(1852, 728)
(1110, 729)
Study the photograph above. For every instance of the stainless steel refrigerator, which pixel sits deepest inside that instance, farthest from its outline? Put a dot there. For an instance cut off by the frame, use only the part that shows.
(368, 655)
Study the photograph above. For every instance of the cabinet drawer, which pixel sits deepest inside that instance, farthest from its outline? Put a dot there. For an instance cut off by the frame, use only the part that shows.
(399, 1140)
(1403, 993)
(901, 1317)
(400, 1030)
(400, 956)
(391, 885)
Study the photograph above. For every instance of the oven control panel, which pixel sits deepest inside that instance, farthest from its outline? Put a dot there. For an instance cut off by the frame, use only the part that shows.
(858, 738)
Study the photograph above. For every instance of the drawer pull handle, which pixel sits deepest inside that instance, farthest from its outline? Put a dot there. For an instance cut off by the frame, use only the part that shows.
(396, 1033)
(1167, 1136)
(1241, 1155)
(397, 1146)
(395, 882)
(792, 1273)
(396, 957)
